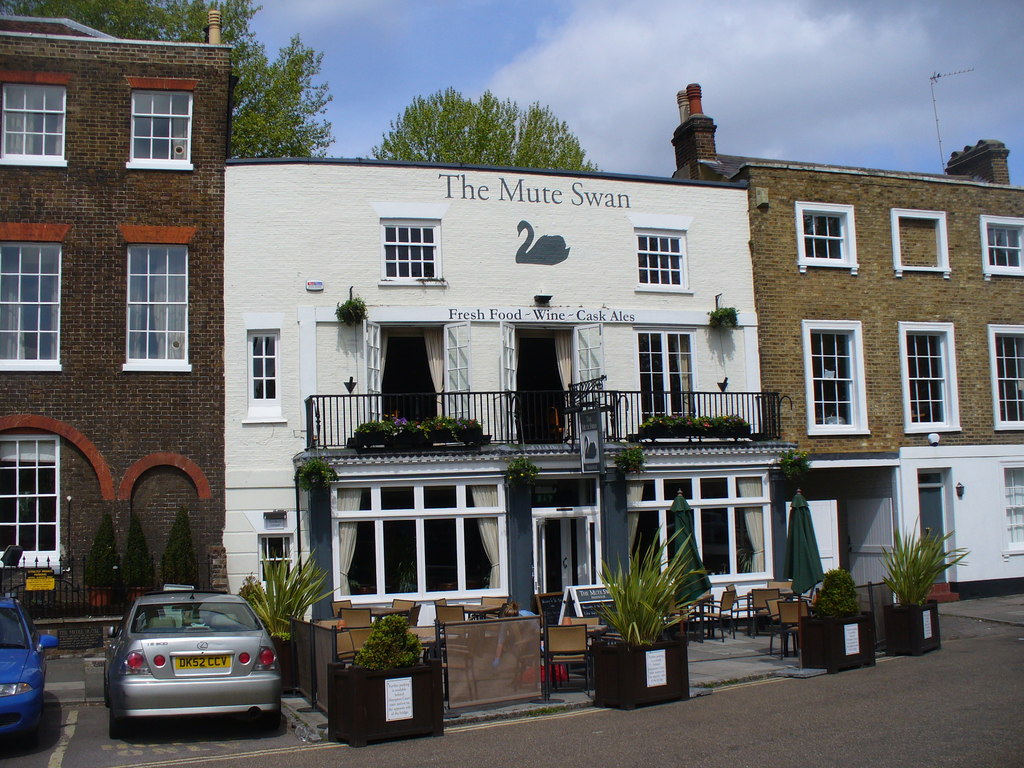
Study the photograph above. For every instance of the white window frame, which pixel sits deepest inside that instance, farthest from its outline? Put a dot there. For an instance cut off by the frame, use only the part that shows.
(666, 392)
(177, 160)
(680, 270)
(419, 513)
(9, 113)
(847, 239)
(23, 281)
(31, 555)
(941, 241)
(433, 225)
(152, 363)
(858, 398)
(1012, 501)
(263, 409)
(950, 393)
(994, 332)
(1002, 222)
(261, 552)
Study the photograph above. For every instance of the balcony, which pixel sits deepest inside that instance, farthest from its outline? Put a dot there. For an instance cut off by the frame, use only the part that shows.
(545, 417)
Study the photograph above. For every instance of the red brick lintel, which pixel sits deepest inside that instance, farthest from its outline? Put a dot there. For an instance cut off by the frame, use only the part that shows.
(33, 233)
(141, 233)
(35, 78)
(163, 83)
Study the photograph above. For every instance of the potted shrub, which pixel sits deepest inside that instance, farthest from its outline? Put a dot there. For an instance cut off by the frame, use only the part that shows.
(913, 565)
(388, 692)
(723, 317)
(521, 471)
(352, 312)
(315, 473)
(838, 635)
(102, 564)
(137, 571)
(469, 431)
(287, 590)
(178, 565)
(375, 432)
(631, 460)
(646, 663)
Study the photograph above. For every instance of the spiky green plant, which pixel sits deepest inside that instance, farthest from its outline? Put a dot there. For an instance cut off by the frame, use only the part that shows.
(915, 562)
(289, 591)
(645, 597)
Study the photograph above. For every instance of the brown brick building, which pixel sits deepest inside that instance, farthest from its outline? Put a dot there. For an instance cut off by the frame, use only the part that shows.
(890, 313)
(111, 289)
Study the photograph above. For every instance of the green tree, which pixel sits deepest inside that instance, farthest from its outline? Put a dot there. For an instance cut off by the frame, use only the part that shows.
(447, 127)
(178, 565)
(278, 108)
(137, 567)
(102, 562)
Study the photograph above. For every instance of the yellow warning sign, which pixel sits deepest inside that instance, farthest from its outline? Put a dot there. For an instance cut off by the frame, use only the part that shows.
(40, 580)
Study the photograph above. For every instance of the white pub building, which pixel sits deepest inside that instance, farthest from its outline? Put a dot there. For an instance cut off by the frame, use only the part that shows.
(506, 298)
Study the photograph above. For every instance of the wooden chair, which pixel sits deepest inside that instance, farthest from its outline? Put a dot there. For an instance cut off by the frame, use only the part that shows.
(414, 615)
(567, 644)
(788, 625)
(758, 606)
(350, 642)
(782, 586)
(447, 613)
(337, 605)
(726, 608)
(355, 618)
(405, 605)
(441, 601)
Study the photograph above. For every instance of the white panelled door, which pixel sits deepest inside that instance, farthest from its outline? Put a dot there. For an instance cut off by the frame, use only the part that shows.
(456, 368)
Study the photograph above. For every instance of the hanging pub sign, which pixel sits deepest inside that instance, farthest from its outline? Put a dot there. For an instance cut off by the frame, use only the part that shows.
(591, 442)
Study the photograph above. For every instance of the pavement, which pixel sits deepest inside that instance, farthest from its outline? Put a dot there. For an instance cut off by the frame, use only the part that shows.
(77, 678)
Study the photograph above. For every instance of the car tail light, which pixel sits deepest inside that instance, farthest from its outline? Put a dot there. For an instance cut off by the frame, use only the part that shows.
(266, 658)
(159, 660)
(243, 658)
(135, 664)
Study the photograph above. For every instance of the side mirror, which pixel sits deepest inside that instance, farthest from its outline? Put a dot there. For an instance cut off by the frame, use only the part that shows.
(48, 641)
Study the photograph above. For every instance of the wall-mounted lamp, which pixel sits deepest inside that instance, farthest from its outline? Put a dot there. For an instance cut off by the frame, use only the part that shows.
(959, 490)
(350, 384)
(542, 299)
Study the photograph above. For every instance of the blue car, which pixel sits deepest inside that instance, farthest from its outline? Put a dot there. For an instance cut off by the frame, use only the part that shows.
(22, 672)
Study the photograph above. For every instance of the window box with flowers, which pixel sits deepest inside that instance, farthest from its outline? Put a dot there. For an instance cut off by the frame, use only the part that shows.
(731, 426)
(408, 434)
(374, 433)
(469, 431)
(441, 429)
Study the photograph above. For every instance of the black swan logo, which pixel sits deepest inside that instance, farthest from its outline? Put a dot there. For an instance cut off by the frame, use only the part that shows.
(549, 249)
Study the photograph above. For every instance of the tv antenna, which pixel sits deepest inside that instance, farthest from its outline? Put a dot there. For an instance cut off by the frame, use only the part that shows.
(935, 76)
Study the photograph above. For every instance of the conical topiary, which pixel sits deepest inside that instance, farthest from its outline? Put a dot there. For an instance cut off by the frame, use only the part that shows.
(137, 570)
(102, 562)
(390, 645)
(837, 597)
(178, 565)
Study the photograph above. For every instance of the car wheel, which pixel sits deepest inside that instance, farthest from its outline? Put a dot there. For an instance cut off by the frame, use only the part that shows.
(117, 727)
(268, 721)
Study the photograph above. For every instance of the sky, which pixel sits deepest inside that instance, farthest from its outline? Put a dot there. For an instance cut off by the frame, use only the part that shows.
(846, 82)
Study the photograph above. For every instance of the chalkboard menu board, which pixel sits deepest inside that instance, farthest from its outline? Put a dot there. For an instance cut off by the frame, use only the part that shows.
(549, 606)
(585, 599)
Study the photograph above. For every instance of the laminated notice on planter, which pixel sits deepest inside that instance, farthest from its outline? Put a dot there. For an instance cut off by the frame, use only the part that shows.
(398, 699)
(656, 672)
(926, 616)
(851, 634)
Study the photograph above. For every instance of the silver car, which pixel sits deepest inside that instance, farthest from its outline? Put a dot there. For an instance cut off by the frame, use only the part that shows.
(191, 653)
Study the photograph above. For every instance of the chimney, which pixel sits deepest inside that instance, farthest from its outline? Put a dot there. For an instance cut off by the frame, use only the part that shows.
(213, 27)
(694, 139)
(985, 161)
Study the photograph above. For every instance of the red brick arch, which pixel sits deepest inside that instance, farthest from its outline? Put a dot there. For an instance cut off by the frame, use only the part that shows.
(24, 421)
(186, 465)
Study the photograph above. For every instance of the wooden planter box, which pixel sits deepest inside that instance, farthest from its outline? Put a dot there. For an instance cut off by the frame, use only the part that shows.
(837, 644)
(911, 629)
(285, 661)
(367, 705)
(621, 674)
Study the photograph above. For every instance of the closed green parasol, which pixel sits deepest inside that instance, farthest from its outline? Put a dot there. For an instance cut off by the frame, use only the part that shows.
(695, 584)
(802, 563)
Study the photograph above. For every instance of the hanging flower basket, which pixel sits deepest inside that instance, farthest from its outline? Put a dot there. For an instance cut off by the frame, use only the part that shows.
(521, 471)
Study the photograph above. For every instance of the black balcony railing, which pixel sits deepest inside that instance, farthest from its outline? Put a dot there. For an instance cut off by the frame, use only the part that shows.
(535, 417)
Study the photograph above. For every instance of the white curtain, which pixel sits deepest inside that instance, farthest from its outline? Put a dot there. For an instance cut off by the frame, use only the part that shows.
(348, 501)
(634, 495)
(754, 519)
(433, 340)
(563, 353)
(487, 496)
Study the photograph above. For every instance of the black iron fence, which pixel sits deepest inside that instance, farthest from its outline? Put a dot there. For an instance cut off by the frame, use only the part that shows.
(537, 417)
(52, 589)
